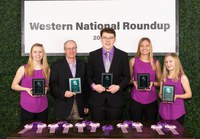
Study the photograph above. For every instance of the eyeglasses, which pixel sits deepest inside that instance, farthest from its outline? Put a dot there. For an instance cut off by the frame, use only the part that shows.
(69, 49)
(108, 38)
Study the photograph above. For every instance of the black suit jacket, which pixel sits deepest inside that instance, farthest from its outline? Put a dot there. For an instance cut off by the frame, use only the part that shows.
(121, 76)
(59, 83)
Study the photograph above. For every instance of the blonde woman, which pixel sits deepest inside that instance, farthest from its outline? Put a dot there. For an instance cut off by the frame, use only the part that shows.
(144, 101)
(32, 107)
(173, 74)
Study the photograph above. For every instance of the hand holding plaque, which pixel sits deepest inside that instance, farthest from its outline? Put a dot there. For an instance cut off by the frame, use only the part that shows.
(168, 93)
(106, 80)
(143, 80)
(38, 86)
(75, 85)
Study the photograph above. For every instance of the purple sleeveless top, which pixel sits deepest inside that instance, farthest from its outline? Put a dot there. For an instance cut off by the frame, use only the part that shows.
(32, 104)
(173, 111)
(144, 97)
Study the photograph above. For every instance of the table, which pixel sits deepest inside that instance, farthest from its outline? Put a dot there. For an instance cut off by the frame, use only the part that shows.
(116, 133)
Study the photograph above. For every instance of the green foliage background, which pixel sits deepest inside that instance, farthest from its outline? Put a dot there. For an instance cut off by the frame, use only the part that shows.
(11, 59)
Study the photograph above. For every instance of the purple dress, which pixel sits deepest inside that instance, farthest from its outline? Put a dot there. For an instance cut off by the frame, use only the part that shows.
(32, 104)
(144, 97)
(173, 111)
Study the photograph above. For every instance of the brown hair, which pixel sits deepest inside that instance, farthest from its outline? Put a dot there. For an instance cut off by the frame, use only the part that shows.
(108, 30)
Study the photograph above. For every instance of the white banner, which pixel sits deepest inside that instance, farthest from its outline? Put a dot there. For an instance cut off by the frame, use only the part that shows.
(54, 22)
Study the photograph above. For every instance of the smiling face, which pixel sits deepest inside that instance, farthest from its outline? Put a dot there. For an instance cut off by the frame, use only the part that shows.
(37, 53)
(108, 40)
(170, 63)
(70, 49)
(145, 47)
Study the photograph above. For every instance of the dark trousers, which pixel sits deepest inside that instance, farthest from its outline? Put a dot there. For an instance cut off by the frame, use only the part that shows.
(28, 116)
(143, 112)
(181, 119)
(106, 112)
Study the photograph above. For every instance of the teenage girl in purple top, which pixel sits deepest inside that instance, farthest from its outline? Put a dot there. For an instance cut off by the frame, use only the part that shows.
(32, 107)
(173, 74)
(144, 102)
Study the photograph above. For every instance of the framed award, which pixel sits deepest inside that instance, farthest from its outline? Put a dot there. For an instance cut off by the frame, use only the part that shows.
(75, 85)
(38, 85)
(168, 93)
(143, 80)
(106, 80)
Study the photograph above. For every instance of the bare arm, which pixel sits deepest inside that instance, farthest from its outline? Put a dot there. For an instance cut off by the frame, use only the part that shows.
(186, 87)
(131, 64)
(160, 92)
(47, 88)
(17, 79)
(48, 77)
(158, 74)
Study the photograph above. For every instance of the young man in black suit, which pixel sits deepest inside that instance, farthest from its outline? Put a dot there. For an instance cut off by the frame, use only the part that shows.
(107, 103)
(68, 105)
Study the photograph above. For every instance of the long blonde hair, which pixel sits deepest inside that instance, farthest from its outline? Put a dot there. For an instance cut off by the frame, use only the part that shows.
(138, 54)
(29, 69)
(178, 68)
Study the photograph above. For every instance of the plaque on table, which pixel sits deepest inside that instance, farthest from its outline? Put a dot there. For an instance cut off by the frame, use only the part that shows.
(106, 80)
(143, 80)
(38, 86)
(168, 93)
(75, 85)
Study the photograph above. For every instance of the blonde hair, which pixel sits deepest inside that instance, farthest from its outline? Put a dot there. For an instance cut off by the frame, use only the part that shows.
(178, 68)
(29, 69)
(138, 54)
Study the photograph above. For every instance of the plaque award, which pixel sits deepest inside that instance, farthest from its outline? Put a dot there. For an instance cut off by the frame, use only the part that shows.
(168, 93)
(38, 86)
(143, 80)
(106, 79)
(75, 85)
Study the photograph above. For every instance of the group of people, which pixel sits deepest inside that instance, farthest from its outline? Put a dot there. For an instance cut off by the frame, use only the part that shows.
(102, 103)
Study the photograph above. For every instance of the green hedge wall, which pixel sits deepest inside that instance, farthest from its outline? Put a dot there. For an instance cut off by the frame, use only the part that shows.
(11, 59)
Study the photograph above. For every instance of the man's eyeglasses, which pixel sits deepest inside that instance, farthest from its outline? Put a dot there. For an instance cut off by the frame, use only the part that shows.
(69, 49)
(108, 38)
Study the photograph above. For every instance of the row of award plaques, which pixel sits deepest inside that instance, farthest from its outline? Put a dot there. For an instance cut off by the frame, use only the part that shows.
(38, 85)
(106, 81)
(143, 83)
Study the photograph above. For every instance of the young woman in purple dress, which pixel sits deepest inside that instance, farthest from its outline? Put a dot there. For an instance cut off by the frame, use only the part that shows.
(173, 74)
(33, 108)
(144, 105)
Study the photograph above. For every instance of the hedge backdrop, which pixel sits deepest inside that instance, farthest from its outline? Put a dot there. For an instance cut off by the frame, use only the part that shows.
(11, 59)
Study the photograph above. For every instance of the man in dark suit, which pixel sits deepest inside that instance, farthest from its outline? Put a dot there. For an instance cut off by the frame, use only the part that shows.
(68, 104)
(107, 103)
